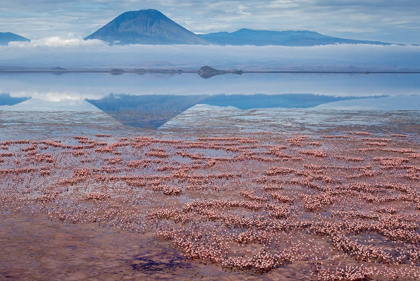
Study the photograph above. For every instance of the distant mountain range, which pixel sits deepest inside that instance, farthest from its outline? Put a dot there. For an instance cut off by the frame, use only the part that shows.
(6, 37)
(282, 38)
(153, 27)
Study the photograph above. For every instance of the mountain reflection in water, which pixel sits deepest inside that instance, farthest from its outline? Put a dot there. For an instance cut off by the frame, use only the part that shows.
(151, 100)
(6, 99)
(153, 111)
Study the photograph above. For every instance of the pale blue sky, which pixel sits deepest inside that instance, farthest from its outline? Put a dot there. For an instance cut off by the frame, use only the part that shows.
(385, 20)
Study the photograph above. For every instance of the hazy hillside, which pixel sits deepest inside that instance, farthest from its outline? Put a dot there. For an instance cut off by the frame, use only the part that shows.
(283, 38)
(6, 37)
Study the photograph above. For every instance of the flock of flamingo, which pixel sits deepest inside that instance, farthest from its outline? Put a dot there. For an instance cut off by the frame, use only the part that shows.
(346, 205)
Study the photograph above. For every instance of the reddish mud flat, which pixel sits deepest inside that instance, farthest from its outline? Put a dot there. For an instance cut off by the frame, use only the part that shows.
(36, 248)
(320, 207)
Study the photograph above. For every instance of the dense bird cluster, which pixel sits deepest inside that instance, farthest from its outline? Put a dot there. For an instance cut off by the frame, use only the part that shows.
(347, 205)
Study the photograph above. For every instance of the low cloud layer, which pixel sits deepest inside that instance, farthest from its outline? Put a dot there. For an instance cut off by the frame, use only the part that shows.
(57, 41)
(73, 51)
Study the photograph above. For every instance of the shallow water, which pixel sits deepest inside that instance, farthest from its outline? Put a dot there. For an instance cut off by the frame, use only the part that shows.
(40, 245)
(152, 101)
(93, 86)
(207, 120)
(99, 191)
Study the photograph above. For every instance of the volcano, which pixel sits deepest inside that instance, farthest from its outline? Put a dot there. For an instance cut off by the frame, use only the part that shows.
(145, 27)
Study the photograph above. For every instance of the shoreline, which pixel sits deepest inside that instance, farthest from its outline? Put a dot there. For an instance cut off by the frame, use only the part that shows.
(177, 71)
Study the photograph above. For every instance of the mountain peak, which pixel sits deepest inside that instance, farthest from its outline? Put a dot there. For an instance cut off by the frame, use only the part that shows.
(151, 13)
(145, 27)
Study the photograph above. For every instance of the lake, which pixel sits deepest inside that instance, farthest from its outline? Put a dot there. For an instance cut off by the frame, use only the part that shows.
(236, 177)
(159, 101)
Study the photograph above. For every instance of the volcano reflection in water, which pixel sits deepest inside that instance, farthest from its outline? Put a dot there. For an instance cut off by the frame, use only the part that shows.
(153, 111)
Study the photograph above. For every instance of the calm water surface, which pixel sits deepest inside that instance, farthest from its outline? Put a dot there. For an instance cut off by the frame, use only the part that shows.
(43, 104)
